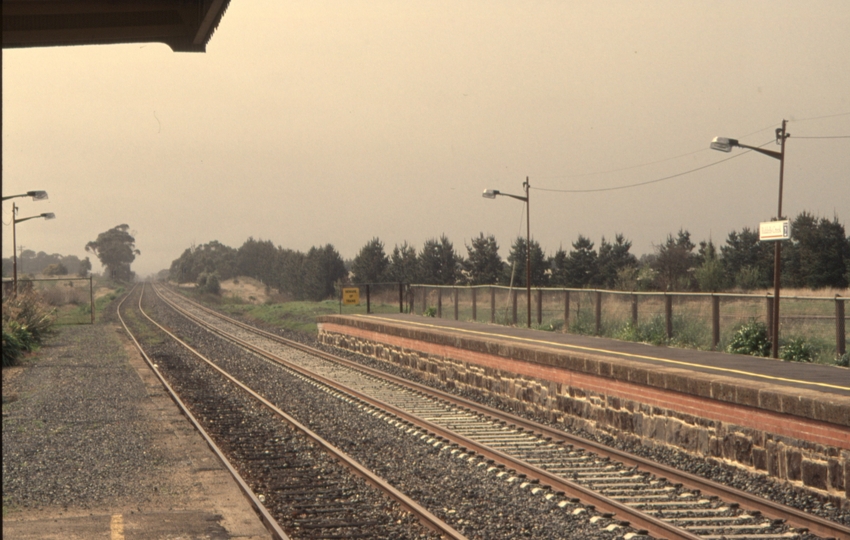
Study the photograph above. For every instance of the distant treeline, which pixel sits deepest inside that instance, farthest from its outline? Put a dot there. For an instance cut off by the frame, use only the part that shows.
(30, 262)
(817, 256)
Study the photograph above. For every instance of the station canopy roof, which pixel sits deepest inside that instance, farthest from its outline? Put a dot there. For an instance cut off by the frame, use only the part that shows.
(183, 25)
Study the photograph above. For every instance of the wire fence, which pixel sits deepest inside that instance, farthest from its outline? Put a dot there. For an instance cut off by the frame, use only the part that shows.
(695, 320)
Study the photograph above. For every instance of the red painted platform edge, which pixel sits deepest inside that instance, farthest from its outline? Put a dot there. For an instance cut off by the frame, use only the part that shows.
(807, 404)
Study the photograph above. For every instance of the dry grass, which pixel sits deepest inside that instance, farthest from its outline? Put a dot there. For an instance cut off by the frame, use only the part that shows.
(249, 290)
(805, 313)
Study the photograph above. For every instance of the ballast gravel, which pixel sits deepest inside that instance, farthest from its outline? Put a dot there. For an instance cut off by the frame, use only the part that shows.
(477, 502)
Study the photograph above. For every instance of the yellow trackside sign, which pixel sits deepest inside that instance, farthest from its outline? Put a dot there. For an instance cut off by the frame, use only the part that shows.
(351, 296)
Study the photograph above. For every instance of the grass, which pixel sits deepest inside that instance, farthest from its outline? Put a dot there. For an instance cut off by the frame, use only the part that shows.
(298, 316)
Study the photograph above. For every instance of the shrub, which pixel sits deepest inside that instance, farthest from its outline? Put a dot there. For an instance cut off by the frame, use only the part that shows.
(26, 321)
(12, 348)
(751, 339)
(208, 283)
(653, 332)
(843, 360)
(797, 350)
(430, 311)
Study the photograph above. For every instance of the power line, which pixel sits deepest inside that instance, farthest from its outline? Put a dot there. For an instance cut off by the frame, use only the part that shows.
(648, 181)
(820, 117)
(826, 137)
(626, 168)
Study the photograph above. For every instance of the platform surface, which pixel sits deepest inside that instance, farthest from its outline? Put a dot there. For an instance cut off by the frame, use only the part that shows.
(813, 377)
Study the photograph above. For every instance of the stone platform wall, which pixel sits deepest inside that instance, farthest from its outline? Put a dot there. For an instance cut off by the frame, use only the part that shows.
(820, 467)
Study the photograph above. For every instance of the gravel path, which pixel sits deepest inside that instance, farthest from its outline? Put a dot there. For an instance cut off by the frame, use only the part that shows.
(89, 435)
(73, 431)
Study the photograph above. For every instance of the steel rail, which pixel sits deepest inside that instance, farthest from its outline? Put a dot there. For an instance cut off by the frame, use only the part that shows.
(425, 517)
(792, 516)
(637, 519)
(270, 523)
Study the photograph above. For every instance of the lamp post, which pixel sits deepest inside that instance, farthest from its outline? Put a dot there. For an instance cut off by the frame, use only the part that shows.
(15, 221)
(725, 145)
(491, 194)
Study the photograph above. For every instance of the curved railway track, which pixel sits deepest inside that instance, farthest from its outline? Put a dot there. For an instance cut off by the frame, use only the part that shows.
(651, 498)
(295, 480)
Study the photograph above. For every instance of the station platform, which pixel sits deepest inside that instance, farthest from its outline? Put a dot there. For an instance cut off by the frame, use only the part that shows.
(789, 419)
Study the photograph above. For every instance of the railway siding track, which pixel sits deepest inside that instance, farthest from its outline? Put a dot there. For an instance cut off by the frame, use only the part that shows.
(295, 480)
(615, 483)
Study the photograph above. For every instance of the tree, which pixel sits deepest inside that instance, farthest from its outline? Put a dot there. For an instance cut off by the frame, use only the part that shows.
(438, 262)
(291, 273)
(85, 267)
(613, 259)
(748, 263)
(818, 253)
(581, 267)
(116, 249)
(259, 259)
(675, 262)
(709, 274)
(404, 265)
(323, 268)
(517, 263)
(483, 266)
(55, 269)
(370, 265)
(206, 258)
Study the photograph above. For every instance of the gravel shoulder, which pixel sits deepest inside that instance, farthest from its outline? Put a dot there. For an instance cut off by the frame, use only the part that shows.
(92, 446)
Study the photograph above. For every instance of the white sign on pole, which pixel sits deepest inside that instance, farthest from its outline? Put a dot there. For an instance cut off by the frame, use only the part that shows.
(775, 230)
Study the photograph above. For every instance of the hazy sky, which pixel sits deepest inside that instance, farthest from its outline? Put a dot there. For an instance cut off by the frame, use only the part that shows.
(312, 122)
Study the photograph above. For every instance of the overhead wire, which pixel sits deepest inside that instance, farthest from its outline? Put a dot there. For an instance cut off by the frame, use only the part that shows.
(825, 137)
(630, 167)
(819, 117)
(655, 181)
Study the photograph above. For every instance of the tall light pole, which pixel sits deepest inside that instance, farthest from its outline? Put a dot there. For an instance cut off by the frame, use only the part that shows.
(725, 145)
(491, 194)
(15, 221)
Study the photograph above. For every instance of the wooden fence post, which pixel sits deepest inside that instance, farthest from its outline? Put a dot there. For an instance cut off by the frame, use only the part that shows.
(474, 304)
(840, 335)
(566, 310)
(400, 297)
(539, 307)
(668, 314)
(439, 303)
(513, 301)
(91, 298)
(455, 291)
(598, 312)
(715, 322)
(769, 318)
(634, 311)
(492, 304)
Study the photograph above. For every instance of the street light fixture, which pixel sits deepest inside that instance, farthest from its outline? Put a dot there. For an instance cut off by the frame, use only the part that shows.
(724, 144)
(491, 194)
(15, 221)
(36, 195)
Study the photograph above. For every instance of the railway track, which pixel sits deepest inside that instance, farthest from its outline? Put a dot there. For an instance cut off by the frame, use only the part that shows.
(627, 490)
(301, 486)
